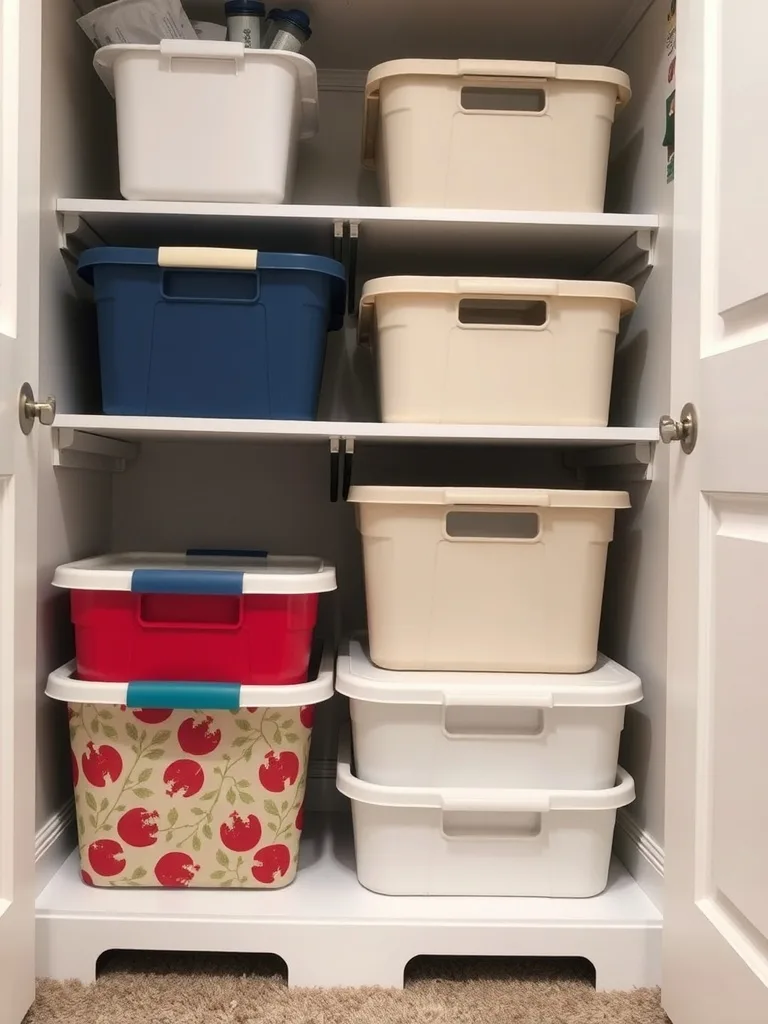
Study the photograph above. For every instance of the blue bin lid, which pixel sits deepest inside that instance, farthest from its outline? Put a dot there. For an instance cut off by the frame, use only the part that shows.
(109, 255)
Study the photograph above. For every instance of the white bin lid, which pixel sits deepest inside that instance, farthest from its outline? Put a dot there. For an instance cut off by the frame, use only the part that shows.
(503, 801)
(207, 50)
(199, 573)
(64, 685)
(499, 287)
(519, 497)
(608, 685)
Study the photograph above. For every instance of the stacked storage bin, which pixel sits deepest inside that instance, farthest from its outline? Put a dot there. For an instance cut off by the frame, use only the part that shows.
(486, 725)
(191, 703)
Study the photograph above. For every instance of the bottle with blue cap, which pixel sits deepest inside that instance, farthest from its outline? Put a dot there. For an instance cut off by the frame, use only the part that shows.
(289, 30)
(244, 20)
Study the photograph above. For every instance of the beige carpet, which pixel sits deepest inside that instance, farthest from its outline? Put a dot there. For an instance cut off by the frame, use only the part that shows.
(190, 989)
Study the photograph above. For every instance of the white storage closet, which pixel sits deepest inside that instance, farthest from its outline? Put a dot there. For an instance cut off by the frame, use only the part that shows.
(125, 483)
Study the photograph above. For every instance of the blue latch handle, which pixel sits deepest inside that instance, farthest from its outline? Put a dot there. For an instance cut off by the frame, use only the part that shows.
(187, 581)
(183, 695)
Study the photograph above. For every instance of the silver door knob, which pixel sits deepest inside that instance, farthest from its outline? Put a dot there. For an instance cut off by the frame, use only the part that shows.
(685, 430)
(30, 410)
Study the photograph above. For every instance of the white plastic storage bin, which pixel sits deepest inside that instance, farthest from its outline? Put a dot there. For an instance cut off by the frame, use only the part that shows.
(491, 134)
(494, 350)
(423, 841)
(485, 579)
(479, 729)
(208, 121)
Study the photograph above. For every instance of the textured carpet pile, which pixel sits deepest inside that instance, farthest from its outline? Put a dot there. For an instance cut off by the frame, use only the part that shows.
(134, 988)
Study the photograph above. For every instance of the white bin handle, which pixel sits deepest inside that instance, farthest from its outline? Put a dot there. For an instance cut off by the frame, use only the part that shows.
(201, 49)
(517, 801)
(202, 258)
(539, 698)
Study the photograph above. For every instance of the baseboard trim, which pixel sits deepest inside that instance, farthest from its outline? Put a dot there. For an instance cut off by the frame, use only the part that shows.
(641, 855)
(54, 842)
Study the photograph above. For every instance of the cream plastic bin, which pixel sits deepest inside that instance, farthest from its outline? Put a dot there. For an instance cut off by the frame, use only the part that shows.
(425, 841)
(491, 134)
(484, 579)
(494, 350)
(475, 729)
(208, 121)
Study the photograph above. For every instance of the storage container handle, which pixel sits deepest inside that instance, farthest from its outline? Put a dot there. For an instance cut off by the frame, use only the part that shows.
(365, 320)
(490, 498)
(183, 696)
(542, 698)
(505, 288)
(201, 49)
(504, 69)
(497, 801)
(205, 258)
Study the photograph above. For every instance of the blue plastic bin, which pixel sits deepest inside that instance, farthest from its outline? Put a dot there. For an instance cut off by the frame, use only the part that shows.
(186, 340)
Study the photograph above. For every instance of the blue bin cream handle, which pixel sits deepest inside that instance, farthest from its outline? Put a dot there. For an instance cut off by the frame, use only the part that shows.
(202, 258)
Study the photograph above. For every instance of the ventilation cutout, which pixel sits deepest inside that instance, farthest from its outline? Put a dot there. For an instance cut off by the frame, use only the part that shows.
(493, 525)
(487, 97)
(508, 312)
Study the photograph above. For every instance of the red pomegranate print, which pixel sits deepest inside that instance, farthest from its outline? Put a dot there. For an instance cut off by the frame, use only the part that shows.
(197, 738)
(183, 778)
(271, 863)
(176, 870)
(75, 769)
(300, 818)
(307, 716)
(279, 771)
(138, 827)
(241, 835)
(152, 716)
(106, 857)
(101, 763)
(86, 878)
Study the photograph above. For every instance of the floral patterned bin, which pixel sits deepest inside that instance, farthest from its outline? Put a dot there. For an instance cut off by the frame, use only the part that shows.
(185, 797)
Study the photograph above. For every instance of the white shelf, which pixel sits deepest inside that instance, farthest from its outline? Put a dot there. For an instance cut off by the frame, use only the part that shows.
(330, 931)
(488, 241)
(146, 428)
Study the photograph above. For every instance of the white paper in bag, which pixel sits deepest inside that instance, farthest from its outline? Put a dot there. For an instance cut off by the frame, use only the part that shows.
(137, 21)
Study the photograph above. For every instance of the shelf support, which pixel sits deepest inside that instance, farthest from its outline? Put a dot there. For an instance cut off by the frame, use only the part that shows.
(352, 247)
(74, 449)
(628, 463)
(630, 260)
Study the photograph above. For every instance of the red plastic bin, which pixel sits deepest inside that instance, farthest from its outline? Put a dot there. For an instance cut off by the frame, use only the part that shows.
(211, 618)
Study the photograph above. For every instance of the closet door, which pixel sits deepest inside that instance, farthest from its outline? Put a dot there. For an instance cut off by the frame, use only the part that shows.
(716, 866)
(19, 274)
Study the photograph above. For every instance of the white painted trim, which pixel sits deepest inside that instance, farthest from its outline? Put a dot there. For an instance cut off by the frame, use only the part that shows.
(641, 855)
(341, 80)
(54, 842)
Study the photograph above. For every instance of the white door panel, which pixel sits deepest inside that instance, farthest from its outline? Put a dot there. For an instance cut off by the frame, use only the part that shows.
(19, 276)
(716, 899)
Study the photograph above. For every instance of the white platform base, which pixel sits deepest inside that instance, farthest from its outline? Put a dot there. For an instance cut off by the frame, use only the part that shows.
(332, 932)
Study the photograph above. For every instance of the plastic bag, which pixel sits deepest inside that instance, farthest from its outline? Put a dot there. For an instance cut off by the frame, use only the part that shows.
(137, 21)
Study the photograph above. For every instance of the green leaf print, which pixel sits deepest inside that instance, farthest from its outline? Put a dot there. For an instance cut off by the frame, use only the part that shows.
(231, 796)
(154, 755)
(217, 874)
(209, 795)
(145, 774)
(222, 858)
(291, 737)
(207, 831)
(160, 737)
(142, 792)
(271, 807)
(131, 731)
(173, 816)
(110, 732)
(240, 741)
(246, 798)
(196, 844)
(244, 724)
(90, 799)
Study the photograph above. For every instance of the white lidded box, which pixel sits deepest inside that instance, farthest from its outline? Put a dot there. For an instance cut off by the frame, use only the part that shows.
(484, 579)
(491, 134)
(450, 841)
(207, 121)
(188, 784)
(474, 729)
(494, 350)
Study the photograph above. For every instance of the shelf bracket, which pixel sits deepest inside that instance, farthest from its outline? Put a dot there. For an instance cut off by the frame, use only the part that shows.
(76, 235)
(352, 246)
(342, 451)
(627, 463)
(629, 260)
(75, 449)
(337, 244)
(346, 476)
